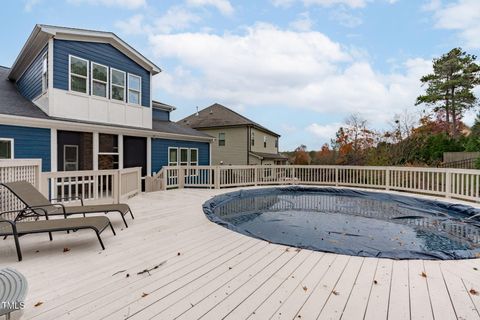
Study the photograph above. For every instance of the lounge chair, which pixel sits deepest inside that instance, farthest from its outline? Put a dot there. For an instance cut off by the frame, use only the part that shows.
(36, 201)
(17, 227)
(13, 289)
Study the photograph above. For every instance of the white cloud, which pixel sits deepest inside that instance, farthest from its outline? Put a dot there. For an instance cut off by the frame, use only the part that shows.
(345, 18)
(462, 16)
(283, 3)
(268, 66)
(329, 3)
(303, 23)
(224, 6)
(134, 25)
(29, 4)
(128, 4)
(176, 18)
(324, 132)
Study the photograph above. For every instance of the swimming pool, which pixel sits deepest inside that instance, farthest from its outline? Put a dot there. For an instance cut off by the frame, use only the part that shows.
(352, 222)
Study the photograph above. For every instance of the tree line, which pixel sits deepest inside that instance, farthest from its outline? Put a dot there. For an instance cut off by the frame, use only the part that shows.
(412, 139)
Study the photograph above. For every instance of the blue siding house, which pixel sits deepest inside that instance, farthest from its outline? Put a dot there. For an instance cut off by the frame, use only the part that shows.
(82, 100)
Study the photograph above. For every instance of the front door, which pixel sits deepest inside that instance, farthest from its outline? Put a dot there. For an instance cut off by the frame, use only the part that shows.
(135, 153)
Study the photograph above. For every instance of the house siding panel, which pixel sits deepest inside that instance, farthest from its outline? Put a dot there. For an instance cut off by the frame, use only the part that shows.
(160, 115)
(235, 150)
(102, 53)
(29, 143)
(30, 83)
(160, 151)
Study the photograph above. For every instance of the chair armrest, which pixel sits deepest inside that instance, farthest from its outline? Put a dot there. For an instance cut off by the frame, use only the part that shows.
(42, 208)
(19, 211)
(69, 198)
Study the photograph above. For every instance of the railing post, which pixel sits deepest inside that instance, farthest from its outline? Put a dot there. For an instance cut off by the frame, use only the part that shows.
(255, 175)
(181, 177)
(117, 186)
(164, 179)
(336, 177)
(448, 183)
(216, 174)
(387, 179)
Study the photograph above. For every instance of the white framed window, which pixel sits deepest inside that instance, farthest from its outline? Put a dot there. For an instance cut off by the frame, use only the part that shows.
(172, 156)
(221, 139)
(252, 138)
(70, 157)
(264, 141)
(134, 89)
(45, 72)
(99, 80)
(193, 155)
(117, 84)
(184, 157)
(108, 153)
(6, 148)
(78, 74)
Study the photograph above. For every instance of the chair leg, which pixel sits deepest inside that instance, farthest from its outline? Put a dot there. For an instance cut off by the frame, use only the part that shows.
(17, 246)
(131, 213)
(50, 236)
(113, 230)
(100, 240)
(124, 221)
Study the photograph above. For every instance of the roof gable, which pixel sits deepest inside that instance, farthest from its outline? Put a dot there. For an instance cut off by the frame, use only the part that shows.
(40, 35)
(218, 115)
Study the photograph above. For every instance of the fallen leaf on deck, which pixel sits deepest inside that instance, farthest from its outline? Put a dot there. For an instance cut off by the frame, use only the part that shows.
(66, 249)
(335, 292)
(473, 292)
(38, 304)
(423, 274)
(304, 288)
(476, 269)
(178, 253)
(144, 295)
(375, 282)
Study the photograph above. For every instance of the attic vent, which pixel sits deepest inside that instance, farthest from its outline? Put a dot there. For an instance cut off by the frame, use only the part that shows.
(211, 111)
(196, 114)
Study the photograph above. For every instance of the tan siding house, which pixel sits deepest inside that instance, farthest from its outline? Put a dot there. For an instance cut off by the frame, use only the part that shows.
(238, 140)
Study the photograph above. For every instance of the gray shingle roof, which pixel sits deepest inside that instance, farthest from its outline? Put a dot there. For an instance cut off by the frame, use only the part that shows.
(14, 104)
(218, 115)
(273, 156)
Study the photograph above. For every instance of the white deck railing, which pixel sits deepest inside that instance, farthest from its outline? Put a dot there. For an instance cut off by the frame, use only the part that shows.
(455, 183)
(99, 186)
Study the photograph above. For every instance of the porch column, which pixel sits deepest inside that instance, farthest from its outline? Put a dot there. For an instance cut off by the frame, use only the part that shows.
(96, 143)
(120, 151)
(53, 150)
(149, 156)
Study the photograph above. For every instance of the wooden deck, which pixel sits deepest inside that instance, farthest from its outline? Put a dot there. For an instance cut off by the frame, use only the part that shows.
(199, 270)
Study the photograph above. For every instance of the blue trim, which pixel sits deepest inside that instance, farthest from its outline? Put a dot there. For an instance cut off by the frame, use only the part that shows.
(102, 53)
(29, 143)
(160, 151)
(30, 83)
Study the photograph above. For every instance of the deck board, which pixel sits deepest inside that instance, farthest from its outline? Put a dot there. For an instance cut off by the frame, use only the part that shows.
(208, 272)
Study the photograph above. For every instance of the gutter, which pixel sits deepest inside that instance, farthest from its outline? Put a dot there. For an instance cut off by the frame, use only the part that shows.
(77, 126)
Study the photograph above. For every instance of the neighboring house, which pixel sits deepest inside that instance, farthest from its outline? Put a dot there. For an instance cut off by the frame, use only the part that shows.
(238, 140)
(82, 100)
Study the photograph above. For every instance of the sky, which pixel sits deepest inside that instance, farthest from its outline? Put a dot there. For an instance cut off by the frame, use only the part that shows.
(298, 67)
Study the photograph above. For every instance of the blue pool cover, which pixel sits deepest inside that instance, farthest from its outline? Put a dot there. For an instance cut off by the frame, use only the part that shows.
(352, 222)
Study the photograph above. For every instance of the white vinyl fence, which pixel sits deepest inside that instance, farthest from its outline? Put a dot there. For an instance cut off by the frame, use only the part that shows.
(451, 183)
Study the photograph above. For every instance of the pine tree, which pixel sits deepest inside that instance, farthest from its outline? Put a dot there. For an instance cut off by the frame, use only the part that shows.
(450, 86)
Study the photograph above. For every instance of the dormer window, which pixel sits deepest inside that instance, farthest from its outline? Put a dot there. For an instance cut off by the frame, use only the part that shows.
(99, 80)
(78, 74)
(45, 72)
(117, 85)
(134, 89)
